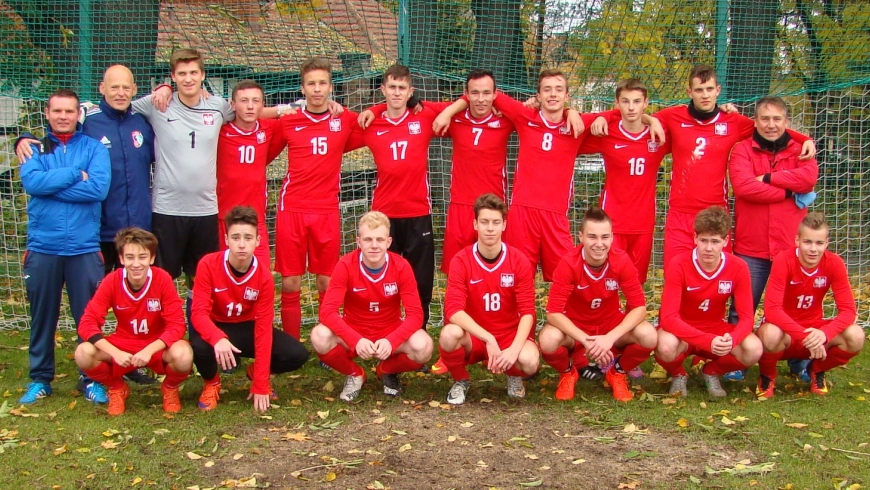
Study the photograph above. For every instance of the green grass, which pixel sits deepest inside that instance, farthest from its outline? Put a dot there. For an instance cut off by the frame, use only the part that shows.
(65, 442)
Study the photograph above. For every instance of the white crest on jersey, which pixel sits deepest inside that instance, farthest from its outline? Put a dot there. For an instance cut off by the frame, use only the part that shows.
(507, 280)
(611, 284)
(208, 119)
(724, 287)
(153, 304)
(820, 282)
(721, 129)
(261, 137)
(251, 294)
(414, 127)
(391, 289)
(335, 125)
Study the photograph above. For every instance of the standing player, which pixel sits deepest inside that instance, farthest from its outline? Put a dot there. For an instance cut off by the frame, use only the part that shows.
(246, 145)
(308, 229)
(186, 139)
(150, 325)
(631, 164)
(701, 138)
(584, 317)
(373, 286)
(794, 327)
(698, 285)
(233, 309)
(490, 306)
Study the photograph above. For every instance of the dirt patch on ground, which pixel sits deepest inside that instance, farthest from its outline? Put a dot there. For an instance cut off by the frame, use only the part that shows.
(401, 445)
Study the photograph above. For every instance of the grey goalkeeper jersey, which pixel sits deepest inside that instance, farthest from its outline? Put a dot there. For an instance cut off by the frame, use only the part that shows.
(186, 140)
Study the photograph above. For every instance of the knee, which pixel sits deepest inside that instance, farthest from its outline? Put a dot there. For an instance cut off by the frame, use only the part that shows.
(86, 355)
(420, 345)
(181, 356)
(770, 336)
(322, 282)
(292, 284)
(646, 336)
(450, 336)
(752, 350)
(854, 337)
(666, 349)
(530, 360)
(322, 339)
(549, 338)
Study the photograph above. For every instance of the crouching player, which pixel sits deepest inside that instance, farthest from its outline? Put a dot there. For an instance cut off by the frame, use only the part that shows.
(373, 285)
(490, 306)
(150, 325)
(233, 310)
(584, 317)
(698, 285)
(793, 327)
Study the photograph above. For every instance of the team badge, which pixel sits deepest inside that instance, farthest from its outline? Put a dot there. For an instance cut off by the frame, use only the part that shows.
(335, 125)
(611, 284)
(252, 294)
(652, 146)
(494, 124)
(261, 137)
(820, 282)
(721, 129)
(138, 139)
(507, 280)
(208, 119)
(391, 289)
(563, 129)
(153, 304)
(414, 127)
(724, 287)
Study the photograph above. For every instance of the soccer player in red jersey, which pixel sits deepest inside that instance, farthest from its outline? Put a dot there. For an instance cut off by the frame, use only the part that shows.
(701, 139)
(233, 309)
(793, 327)
(631, 163)
(150, 325)
(308, 228)
(698, 286)
(489, 307)
(584, 315)
(373, 286)
(246, 145)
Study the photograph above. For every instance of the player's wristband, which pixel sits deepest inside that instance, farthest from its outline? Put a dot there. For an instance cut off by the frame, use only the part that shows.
(283, 108)
(95, 338)
(161, 86)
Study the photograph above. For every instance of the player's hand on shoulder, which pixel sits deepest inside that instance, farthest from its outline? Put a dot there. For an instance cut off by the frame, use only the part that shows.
(261, 402)
(161, 97)
(441, 124)
(729, 108)
(598, 126)
(532, 103)
(808, 150)
(23, 149)
(574, 123)
(335, 109)
(365, 118)
(656, 130)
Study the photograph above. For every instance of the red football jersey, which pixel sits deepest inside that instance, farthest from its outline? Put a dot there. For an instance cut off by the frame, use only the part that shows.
(400, 148)
(693, 301)
(372, 303)
(590, 298)
(479, 156)
(544, 177)
(631, 166)
(495, 295)
(794, 296)
(154, 312)
(242, 157)
(220, 296)
(700, 155)
(315, 146)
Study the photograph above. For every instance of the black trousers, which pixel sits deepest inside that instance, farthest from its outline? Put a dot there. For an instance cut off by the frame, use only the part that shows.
(288, 354)
(413, 239)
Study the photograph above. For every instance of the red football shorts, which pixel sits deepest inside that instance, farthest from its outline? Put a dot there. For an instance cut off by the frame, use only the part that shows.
(262, 251)
(458, 232)
(680, 235)
(155, 363)
(602, 329)
(638, 246)
(478, 347)
(544, 236)
(311, 235)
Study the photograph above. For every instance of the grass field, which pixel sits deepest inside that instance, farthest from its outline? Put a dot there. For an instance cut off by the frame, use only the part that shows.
(312, 440)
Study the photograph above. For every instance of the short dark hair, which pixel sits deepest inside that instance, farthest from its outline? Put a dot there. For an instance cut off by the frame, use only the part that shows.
(477, 74)
(245, 85)
(185, 55)
(551, 72)
(490, 201)
(772, 101)
(63, 93)
(630, 84)
(397, 72)
(315, 63)
(703, 72)
(595, 214)
(714, 220)
(244, 215)
(813, 221)
(135, 236)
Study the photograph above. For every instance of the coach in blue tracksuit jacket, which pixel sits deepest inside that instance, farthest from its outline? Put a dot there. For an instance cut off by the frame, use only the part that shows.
(66, 179)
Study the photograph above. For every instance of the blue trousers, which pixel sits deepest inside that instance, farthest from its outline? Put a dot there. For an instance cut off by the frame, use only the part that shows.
(759, 272)
(44, 277)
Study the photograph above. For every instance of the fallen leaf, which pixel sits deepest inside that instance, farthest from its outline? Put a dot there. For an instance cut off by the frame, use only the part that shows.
(161, 432)
(328, 387)
(136, 481)
(329, 477)
(796, 425)
(109, 444)
(227, 437)
(532, 456)
(71, 405)
(451, 438)
(323, 415)
(193, 455)
(295, 436)
(533, 483)
(209, 464)
(629, 428)
(61, 450)
(683, 423)
(629, 486)
(379, 420)
(466, 425)
(434, 404)
(238, 456)
(727, 421)
(578, 461)
(404, 448)
(487, 400)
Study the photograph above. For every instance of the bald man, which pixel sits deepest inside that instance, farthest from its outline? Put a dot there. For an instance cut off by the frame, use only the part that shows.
(130, 141)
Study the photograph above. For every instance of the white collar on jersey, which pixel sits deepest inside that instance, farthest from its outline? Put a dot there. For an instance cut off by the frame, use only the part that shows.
(708, 122)
(807, 273)
(632, 136)
(142, 292)
(548, 123)
(246, 133)
(698, 268)
(248, 275)
(316, 118)
(365, 272)
(478, 121)
(484, 265)
(396, 122)
(589, 272)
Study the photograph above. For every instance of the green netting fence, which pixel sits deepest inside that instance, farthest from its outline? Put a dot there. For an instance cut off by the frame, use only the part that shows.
(815, 53)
